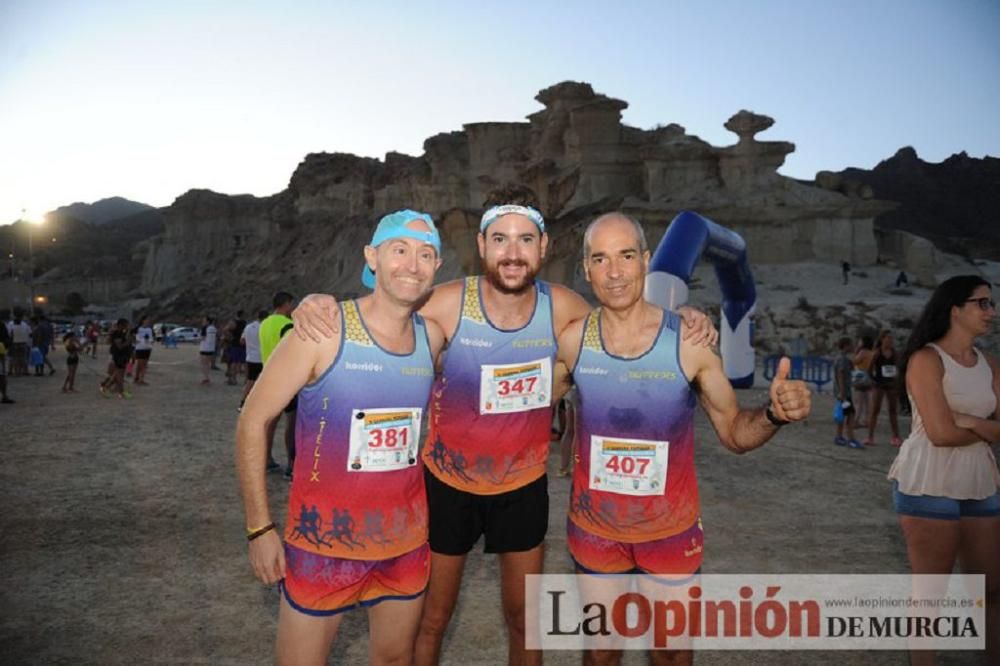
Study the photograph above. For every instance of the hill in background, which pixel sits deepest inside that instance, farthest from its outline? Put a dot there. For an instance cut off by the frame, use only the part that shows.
(103, 211)
(955, 203)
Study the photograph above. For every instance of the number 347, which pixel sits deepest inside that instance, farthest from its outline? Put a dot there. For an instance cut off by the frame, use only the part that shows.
(520, 386)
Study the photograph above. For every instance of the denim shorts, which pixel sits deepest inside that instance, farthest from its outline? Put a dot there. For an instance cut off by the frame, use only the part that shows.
(944, 508)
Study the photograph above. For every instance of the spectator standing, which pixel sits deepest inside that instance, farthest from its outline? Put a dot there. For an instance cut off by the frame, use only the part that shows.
(206, 348)
(250, 340)
(20, 336)
(121, 352)
(45, 337)
(945, 476)
(236, 354)
(93, 334)
(72, 346)
(143, 350)
(884, 374)
(272, 330)
(861, 380)
(4, 351)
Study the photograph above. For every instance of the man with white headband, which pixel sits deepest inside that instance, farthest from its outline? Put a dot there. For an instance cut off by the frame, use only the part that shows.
(356, 531)
(491, 411)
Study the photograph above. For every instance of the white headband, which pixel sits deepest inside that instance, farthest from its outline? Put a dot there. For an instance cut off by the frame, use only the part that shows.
(492, 214)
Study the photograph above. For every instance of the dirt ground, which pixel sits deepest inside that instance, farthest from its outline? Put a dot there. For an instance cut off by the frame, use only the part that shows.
(121, 534)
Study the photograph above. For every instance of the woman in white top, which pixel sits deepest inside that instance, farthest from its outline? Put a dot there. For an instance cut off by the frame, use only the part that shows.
(207, 348)
(945, 477)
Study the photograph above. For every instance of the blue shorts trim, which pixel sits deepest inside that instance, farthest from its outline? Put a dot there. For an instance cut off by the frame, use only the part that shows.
(343, 609)
(944, 508)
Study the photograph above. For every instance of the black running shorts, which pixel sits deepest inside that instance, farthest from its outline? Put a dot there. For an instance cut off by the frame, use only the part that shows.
(512, 522)
(254, 370)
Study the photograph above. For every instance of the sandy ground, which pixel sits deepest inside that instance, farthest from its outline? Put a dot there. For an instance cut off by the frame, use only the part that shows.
(121, 536)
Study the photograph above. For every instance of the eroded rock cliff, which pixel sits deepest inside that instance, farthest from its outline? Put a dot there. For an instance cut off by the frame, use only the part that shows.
(224, 251)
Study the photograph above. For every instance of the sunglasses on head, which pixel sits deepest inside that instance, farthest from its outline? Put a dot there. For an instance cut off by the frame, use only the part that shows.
(984, 303)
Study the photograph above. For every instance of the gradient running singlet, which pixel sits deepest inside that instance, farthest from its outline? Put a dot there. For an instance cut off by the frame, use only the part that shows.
(358, 489)
(635, 480)
(492, 406)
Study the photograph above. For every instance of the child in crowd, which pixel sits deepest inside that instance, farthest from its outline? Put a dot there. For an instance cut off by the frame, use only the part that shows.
(38, 361)
(842, 370)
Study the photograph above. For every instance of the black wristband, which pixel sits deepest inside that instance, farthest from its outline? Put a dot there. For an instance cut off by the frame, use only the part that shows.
(261, 531)
(775, 421)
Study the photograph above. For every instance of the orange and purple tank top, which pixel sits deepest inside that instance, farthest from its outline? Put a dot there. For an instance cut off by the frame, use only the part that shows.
(491, 408)
(635, 479)
(358, 488)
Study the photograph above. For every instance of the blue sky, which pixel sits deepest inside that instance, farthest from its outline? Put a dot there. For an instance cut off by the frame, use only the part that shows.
(146, 100)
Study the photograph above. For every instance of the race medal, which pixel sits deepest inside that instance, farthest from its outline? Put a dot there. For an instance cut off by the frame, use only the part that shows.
(628, 466)
(383, 439)
(517, 387)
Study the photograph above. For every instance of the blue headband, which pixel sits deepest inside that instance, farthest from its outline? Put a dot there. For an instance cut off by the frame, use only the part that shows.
(490, 216)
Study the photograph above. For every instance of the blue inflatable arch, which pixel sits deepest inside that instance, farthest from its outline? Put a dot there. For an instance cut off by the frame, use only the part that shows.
(689, 238)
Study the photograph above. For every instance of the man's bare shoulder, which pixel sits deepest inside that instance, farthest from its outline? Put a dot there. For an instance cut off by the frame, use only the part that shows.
(442, 299)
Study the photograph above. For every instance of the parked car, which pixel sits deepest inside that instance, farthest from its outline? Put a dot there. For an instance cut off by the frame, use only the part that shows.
(160, 329)
(185, 334)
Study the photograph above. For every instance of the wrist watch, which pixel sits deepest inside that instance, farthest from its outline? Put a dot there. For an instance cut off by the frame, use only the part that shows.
(772, 417)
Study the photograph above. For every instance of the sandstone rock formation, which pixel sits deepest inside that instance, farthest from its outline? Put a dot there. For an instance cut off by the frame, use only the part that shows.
(575, 153)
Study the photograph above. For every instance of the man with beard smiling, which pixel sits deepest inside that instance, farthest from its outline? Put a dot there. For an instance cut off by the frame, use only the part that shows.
(491, 411)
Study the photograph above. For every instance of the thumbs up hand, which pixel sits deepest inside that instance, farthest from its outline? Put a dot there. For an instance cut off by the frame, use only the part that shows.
(790, 398)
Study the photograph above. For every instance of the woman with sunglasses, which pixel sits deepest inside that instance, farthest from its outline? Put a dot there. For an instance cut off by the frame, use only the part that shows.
(945, 477)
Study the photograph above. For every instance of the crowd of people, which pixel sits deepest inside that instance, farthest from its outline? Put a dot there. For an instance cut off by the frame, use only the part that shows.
(866, 376)
(26, 343)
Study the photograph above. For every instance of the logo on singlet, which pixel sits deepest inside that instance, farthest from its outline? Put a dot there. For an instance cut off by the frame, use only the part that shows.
(364, 367)
(474, 342)
(652, 374)
(537, 342)
(592, 371)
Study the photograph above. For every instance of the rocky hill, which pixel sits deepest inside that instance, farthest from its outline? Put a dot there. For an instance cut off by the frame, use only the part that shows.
(955, 203)
(102, 211)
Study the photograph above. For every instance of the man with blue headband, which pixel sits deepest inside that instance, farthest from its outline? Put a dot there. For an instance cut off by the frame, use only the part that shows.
(491, 412)
(356, 527)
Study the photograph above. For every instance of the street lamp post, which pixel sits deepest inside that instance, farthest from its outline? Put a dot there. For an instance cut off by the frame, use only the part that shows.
(31, 264)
